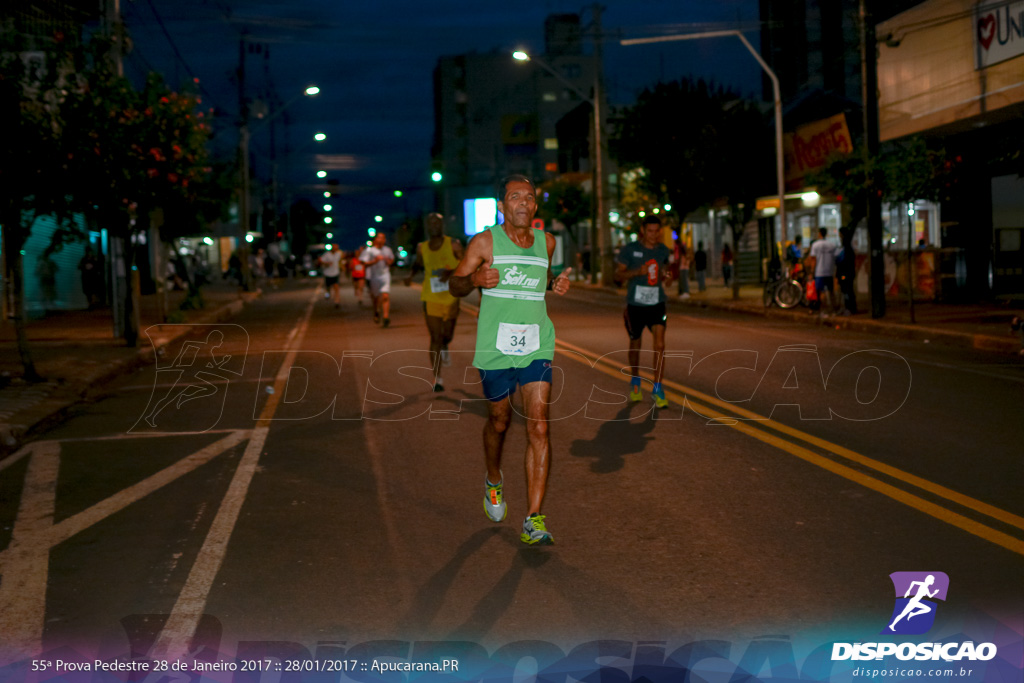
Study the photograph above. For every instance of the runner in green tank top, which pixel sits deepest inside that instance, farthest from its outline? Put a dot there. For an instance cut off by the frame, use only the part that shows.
(515, 342)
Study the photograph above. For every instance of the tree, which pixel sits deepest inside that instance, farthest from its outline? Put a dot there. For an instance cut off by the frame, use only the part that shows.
(902, 172)
(134, 151)
(697, 143)
(566, 202)
(34, 171)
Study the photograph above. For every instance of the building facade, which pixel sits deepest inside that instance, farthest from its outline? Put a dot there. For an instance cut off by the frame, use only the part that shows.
(495, 115)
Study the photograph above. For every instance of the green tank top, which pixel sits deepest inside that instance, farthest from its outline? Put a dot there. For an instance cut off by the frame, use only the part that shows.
(514, 329)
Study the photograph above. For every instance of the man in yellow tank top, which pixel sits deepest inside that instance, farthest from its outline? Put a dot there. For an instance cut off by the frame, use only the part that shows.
(438, 256)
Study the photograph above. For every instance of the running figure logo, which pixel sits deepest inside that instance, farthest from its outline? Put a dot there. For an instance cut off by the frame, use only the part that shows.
(198, 377)
(914, 612)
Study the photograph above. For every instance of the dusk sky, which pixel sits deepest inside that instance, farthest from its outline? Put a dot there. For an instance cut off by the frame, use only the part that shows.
(374, 63)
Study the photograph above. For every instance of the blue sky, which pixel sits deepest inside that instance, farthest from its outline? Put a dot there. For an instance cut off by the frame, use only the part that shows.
(374, 62)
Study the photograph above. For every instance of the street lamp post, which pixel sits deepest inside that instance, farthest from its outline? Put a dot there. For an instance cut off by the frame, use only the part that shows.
(602, 245)
(780, 177)
(245, 132)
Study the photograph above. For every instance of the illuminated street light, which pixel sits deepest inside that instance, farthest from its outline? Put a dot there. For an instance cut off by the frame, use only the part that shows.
(668, 207)
(398, 193)
(436, 176)
(327, 195)
(603, 228)
(328, 219)
(330, 235)
(320, 137)
(327, 207)
(379, 219)
(312, 90)
(321, 174)
(372, 232)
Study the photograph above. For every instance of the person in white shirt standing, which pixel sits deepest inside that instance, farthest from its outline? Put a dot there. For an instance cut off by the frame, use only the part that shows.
(378, 260)
(824, 253)
(330, 262)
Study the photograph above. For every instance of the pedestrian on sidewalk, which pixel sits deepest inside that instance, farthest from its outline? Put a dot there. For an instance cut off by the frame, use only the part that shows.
(824, 254)
(700, 262)
(644, 264)
(727, 264)
(682, 260)
(515, 342)
(438, 257)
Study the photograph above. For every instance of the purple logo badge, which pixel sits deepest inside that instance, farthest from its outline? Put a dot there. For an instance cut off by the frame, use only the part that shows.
(916, 592)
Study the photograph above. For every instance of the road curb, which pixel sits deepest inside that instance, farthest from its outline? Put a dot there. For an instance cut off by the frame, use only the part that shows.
(925, 335)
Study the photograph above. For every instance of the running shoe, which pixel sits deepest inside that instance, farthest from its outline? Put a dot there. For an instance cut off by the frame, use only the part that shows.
(534, 531)
(446, 358)
(494, 501)
(635, 395)
(659, 399)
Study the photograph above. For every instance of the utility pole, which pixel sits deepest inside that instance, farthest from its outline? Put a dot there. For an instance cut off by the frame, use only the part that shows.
(243, 167)
(604, 233)
(869, 152)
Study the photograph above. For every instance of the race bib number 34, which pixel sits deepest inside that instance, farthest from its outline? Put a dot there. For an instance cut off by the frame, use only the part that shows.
(518, 340)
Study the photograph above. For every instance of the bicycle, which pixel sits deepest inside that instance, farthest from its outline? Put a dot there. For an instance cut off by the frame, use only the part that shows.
(787, 290)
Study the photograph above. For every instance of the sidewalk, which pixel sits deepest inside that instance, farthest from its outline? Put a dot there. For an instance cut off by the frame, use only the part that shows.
(75, 351)
(984, 326)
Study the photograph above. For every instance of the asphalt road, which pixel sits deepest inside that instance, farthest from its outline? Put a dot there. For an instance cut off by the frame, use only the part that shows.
(289, 485)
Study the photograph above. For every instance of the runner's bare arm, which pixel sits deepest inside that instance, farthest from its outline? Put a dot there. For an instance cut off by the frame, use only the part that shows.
(458, 252)
(474, 270)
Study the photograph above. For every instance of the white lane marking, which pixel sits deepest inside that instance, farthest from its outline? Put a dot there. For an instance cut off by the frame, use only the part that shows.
(174, 639)
(16, 457)
(146, 435)
(25, 563)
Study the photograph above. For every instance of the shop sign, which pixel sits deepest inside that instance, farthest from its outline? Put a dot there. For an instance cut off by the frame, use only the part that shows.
(998, 32)
(812, 144)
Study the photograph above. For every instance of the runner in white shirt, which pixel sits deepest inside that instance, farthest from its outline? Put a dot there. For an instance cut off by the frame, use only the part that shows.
(330, 261)
(378, 260)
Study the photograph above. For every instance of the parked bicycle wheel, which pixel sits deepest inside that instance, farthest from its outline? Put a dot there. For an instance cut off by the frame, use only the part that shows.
(789, 294)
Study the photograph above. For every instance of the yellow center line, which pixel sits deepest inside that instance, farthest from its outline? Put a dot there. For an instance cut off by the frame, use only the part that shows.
(683, 395)
(687, 398)
(853, 456)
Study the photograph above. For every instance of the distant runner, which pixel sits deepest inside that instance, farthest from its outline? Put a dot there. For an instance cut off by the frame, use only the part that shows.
(438, 256)
(645, 265)
(378, 260)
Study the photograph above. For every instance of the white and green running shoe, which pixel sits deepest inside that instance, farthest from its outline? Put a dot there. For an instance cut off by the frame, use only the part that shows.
(494, 501)
(534, 531)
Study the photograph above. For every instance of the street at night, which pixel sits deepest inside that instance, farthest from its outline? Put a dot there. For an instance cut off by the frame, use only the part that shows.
(318, 492)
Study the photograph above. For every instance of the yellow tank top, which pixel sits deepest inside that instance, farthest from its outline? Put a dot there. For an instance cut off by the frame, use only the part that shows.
(435, 291)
